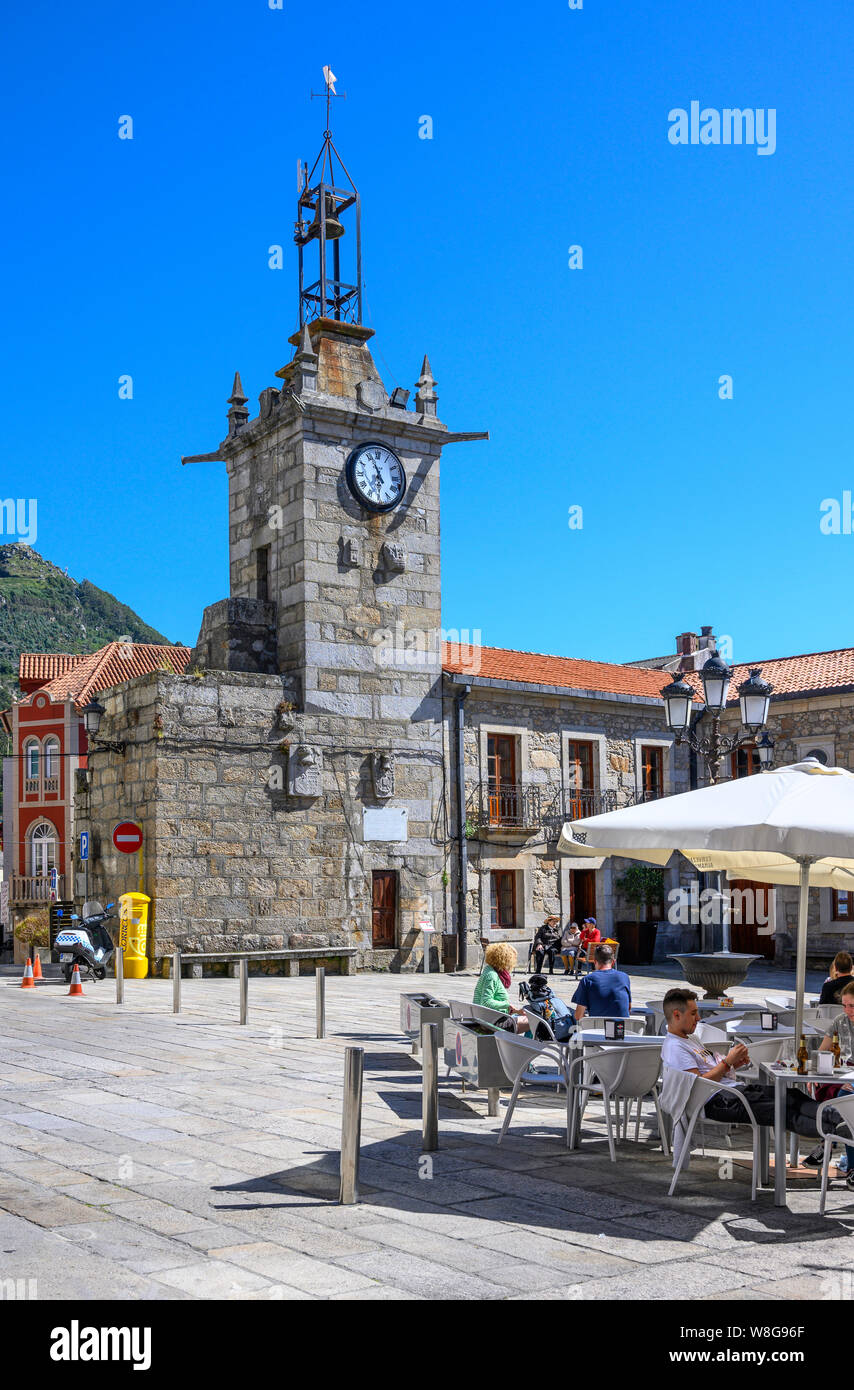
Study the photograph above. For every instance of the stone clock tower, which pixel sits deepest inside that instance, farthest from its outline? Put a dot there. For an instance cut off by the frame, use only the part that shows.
(335, 586)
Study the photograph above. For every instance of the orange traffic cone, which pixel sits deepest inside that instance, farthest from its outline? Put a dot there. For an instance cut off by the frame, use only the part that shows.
(37, 968)
(76, 987)
(28, 982)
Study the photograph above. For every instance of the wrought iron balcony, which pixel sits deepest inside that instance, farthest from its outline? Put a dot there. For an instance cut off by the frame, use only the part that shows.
(504, 806)
(571, 803)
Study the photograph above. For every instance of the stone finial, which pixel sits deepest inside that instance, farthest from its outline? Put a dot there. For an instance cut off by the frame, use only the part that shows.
(305, 363)
(426, 399)
(238, 414)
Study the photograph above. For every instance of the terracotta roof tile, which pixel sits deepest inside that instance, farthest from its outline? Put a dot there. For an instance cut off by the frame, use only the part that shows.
(537, 669)
(112, 664)
(45, 666)
(797, 675)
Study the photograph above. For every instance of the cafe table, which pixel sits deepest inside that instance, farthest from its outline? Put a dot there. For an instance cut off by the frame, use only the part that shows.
(781, 1076)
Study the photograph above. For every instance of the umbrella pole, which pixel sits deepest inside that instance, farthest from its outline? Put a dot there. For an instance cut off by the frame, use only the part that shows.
(801, 968)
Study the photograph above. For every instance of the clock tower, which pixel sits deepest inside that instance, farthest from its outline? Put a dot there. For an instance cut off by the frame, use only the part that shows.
(335, 579)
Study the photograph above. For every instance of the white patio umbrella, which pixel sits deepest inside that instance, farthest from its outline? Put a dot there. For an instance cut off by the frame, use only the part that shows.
(791, 825)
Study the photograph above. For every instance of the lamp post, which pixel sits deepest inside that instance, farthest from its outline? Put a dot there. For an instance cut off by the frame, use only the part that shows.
(754, 697)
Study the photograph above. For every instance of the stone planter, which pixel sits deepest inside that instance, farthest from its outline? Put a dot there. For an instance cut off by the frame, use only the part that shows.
(715, 973)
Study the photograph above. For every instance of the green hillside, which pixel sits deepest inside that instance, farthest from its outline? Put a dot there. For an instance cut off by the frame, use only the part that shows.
(44, 610)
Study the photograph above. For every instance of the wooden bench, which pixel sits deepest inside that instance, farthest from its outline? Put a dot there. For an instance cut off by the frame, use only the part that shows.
(345, 955)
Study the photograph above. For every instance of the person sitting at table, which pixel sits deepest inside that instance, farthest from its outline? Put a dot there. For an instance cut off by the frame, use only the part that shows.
(843, 1032)
(494, 982)
(590, 935)
(683, 1051)
(607, 993)
(570, 944)
(546, 943)
(841, 974)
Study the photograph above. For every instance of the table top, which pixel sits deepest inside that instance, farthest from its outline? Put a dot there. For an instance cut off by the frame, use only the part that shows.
(749, 1031)
(597, 1036)
(782, 1072)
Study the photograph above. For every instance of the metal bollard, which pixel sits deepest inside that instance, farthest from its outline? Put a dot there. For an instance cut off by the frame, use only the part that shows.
(429, 1088)
(351, 1126)
(320, 991)
(120, 975)
(176, 982)
(244, 989)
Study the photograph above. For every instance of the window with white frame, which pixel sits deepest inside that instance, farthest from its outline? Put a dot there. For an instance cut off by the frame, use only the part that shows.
(43, 844)
(31, 764)
(51, 764)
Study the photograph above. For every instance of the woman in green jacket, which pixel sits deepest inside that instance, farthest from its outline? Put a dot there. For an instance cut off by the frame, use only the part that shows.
(492, 987)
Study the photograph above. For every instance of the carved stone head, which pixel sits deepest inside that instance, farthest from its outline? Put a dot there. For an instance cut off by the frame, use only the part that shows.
(382, 774)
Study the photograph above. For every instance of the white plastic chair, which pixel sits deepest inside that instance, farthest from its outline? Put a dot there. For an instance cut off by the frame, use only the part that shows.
(707, 1033)
(517, 1055)
(622, 1074)
(845, 1106)
(701, 1092)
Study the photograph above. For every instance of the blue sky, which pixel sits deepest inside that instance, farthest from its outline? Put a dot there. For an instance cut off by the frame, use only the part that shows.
(599, 386)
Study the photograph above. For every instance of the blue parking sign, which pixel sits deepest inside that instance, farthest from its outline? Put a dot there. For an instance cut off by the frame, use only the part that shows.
(84, 844)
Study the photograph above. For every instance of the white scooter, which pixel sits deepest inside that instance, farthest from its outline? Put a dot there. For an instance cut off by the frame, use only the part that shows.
(89, 945)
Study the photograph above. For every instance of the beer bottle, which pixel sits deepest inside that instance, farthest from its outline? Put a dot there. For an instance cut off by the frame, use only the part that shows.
(837, 1051)
(803, 1056)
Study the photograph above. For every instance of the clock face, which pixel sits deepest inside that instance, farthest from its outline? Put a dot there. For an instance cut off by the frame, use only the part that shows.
(375, 477)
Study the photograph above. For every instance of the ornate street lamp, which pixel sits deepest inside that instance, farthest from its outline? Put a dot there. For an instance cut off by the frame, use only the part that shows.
(754, 696)
(93, 713)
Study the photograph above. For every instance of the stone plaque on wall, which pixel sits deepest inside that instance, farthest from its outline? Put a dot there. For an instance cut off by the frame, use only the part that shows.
(385, 823)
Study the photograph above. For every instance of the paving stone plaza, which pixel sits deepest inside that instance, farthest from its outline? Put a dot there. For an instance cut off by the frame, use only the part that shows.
(147, 1155)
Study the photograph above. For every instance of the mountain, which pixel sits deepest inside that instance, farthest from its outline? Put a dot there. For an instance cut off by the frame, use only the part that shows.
(43, 610)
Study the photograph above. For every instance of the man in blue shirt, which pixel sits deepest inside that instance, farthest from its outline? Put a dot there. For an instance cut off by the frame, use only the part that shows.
(607, 993)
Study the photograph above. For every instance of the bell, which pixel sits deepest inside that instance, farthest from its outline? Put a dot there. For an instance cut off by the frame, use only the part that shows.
(334, 228)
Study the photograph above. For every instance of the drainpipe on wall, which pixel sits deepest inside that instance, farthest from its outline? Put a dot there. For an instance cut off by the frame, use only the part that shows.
(462, 845)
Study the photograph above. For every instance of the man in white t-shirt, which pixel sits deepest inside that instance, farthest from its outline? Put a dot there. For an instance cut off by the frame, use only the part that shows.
(682, 1050)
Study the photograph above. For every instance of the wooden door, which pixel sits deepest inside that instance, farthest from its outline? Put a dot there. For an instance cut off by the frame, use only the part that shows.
(579, 773)
(384, 907)
(501, 770)
(750, 918)
(582, 894)
(652, 772)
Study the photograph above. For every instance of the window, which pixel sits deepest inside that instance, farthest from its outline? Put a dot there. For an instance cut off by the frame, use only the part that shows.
(843, 906)
(42, 849)
(744, 762)
(504, 808)
(652, 772)
(31, 761)
(502, 899)
(262, 572)
(51, 765)
(819, 755)
(579, 777)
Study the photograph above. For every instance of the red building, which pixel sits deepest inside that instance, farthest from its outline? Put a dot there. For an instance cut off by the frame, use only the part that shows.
(48, 748)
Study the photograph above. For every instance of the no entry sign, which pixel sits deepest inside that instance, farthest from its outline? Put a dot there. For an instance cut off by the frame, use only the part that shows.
(127, 837)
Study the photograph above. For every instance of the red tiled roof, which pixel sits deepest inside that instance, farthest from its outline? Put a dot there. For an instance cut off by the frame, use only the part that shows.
(112, 664)
(800, 675)
(502, 664)
(44, 666)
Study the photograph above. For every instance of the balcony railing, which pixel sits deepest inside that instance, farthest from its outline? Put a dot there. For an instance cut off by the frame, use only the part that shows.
(504, 806)
(34, 889)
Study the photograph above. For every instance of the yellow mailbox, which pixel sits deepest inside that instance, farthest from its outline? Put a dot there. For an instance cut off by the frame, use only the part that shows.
(133, 934)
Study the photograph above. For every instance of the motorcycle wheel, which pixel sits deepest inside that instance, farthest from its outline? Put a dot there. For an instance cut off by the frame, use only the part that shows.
(100, 973)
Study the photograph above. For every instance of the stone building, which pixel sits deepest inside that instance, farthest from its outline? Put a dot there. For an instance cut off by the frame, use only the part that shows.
(315, 779)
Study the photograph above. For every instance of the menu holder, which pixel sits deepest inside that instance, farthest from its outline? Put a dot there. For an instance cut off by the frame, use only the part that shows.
(615, 1029)
(768, 1022)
